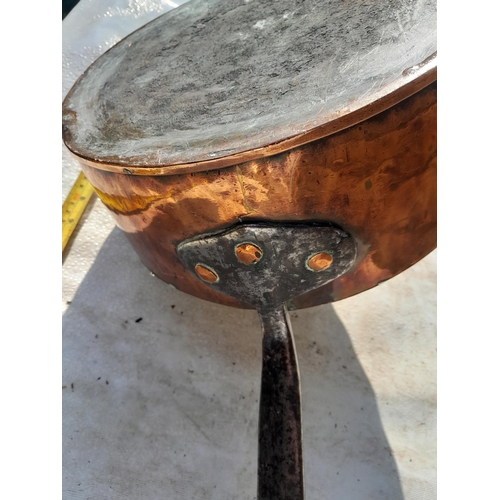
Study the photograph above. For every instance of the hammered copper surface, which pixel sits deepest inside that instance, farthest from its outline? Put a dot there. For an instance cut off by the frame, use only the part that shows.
(376, 180)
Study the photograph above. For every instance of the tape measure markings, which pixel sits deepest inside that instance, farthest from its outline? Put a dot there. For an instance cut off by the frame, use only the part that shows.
(74, 205)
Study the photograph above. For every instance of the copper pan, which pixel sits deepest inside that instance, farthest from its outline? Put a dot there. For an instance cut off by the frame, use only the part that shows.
(376, 179)
(223, 114)
(366, 162)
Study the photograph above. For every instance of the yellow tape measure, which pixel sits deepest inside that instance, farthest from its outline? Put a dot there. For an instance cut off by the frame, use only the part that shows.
(74, 205)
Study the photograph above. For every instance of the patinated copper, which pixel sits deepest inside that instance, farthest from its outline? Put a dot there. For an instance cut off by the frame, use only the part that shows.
(377, 179)
(226, 111)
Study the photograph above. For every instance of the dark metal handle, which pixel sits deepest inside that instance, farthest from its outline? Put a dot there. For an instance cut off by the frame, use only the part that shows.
(280, 469)
(265, 265)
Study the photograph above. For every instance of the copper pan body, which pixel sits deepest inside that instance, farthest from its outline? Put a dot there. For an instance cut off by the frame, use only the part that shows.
(375, 179)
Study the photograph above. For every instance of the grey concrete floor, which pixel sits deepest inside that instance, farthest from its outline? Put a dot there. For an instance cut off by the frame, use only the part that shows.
(161, 397)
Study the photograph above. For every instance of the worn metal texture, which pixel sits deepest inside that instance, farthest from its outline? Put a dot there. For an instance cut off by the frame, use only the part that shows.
(377, 180)
(282, 272)
(279, 272)
(280, 467)
(215, 78)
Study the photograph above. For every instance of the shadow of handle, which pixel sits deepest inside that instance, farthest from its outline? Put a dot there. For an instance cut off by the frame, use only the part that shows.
(280, 469)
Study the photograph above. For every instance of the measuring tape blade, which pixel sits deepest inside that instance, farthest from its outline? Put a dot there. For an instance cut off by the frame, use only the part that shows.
(74, 205)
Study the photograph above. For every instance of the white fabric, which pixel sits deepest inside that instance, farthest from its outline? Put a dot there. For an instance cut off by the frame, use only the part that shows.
(166, 407)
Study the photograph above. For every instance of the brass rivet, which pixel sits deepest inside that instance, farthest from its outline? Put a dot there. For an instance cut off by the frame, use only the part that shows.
(206, 274)
(320, 261)
(248, 253)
